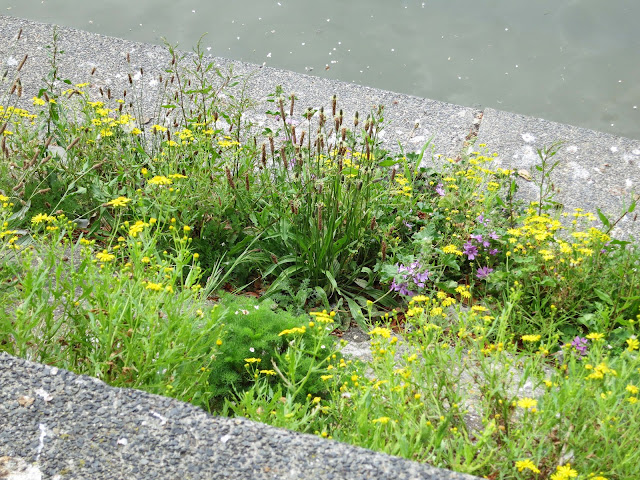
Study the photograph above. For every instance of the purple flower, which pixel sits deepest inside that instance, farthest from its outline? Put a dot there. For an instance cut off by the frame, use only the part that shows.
(481, 220)
(477, 238)
(494, 236)
(408, 225)
(493, 251)
(440, 190)
(470, 250)
(483, 272)
(580, 344)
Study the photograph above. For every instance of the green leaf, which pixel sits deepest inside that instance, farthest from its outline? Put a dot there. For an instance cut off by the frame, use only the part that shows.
(603, 296)
(603, 218)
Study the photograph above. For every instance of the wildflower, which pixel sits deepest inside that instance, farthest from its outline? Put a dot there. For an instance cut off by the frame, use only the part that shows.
(564, 472)
(156, 287)
(382, 420)
(633, 343)
(440, 190)
(528, 464)
(293, 330)
(253, 360)
(119, 202)
(268, 372)
(104, 256)
(596, 337)
(530, 338)
(528, 403)
(452, 249)
(38, 101)
(160, 180)
(383, 332)
(326, 377)
(41, 217)
(158, 128)
(580, 344)
(632, 389)
(470, 250)
(137, 228)
(483, 272)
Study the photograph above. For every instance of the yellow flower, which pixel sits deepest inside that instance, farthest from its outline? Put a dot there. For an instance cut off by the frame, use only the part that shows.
(383, 332)
(632, 400)
(137, 228)
(452, 249)
(632, 389)
(41, 217)
(156, 287)
(564, 472)
(293, 330)
(527, 403)
(38, 101)
(119, 202)
(382, 420)
(158, 128)
(219, 342)
(633, 344)
(528, 464)
(268, 372)
(595, 336)
(530, 338)
(104, 256)
(160, 180)
(326, 377)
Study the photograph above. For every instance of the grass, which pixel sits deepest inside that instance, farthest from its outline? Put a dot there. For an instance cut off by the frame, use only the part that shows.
(503, 336)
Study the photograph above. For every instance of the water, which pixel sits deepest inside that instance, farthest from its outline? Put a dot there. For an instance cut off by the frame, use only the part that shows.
(572, 61)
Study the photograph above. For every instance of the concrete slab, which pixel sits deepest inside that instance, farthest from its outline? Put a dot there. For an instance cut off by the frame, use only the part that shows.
(55, 424)
(448, 124)
(596, 170)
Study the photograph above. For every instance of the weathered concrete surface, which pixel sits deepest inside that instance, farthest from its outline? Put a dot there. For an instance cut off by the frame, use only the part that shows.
(448, 124)
(596, 170)
(55, 424)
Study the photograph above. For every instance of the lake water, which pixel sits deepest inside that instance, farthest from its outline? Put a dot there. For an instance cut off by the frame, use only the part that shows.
(572, 61)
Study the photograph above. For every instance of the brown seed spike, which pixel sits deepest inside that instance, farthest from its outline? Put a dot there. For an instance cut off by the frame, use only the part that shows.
(128, 58)
(293, 133)
(22, 63)
(19, 34)
(93, 70)
(302, 137)
(293, 100)
(334, 103)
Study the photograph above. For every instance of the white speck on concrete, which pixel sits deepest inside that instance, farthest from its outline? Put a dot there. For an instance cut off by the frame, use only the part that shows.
(613, 149)
(572, 149)
(123, 441)
(578, 171)
(527, 137)
(225, 438)
(45, 395)
(12, 62)
(628, 183)
(162, 419)
(43, 434)
(635, 152)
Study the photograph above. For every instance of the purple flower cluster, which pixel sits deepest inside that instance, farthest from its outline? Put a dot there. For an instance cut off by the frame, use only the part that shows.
(581, 345)
(407, 275)
(478, 243)
(440, 190)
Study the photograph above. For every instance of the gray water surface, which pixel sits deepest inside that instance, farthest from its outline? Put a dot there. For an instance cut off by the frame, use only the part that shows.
(572, 61)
